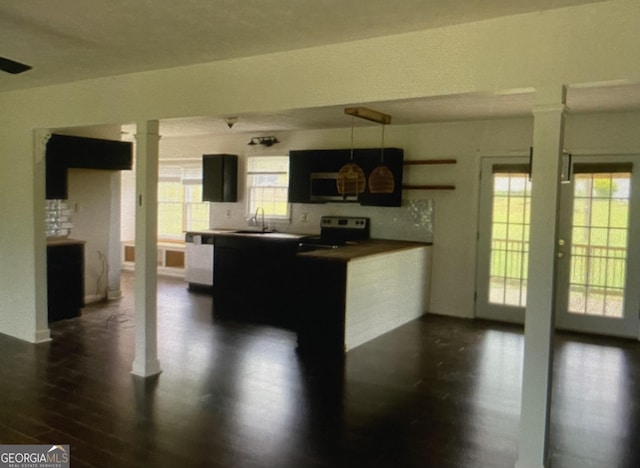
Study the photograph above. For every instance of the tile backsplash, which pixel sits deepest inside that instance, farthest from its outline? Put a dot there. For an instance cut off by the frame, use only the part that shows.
(57, 218)
(414, 220)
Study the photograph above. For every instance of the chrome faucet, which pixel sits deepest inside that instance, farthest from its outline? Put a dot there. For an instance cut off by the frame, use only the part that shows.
(264, 226)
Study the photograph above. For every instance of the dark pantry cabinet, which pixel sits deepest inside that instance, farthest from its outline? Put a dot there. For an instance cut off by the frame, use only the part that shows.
(220, 177)
(65, 279)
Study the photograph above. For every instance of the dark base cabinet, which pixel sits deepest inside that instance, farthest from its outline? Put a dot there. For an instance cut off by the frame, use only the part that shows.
(320, 319)
(65, 280)
(253, 279)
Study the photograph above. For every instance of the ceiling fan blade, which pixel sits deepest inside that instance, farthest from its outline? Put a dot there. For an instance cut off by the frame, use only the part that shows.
(13, 67)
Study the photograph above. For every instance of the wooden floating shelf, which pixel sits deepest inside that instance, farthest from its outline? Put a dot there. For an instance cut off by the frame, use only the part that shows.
(428, 187)
(429, 161)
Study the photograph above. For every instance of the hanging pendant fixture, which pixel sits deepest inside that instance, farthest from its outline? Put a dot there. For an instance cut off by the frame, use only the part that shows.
(351, 177)
(351, 180)
(381, 179)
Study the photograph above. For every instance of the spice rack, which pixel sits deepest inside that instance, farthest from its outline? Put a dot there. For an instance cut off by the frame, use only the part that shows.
(425, 162)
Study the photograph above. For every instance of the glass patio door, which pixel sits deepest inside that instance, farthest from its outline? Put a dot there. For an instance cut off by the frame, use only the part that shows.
(503, 239)
(598, 256)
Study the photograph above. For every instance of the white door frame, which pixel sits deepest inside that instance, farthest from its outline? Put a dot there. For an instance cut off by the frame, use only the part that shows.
(483, 308)
(628, 326)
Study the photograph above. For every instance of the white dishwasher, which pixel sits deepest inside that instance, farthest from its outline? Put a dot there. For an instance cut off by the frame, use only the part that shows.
(199, 251)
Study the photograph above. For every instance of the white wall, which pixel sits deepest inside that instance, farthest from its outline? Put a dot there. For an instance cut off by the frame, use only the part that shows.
(454, 250)
(90, 202)
(94, 198)
(597, 42)
(128, 205)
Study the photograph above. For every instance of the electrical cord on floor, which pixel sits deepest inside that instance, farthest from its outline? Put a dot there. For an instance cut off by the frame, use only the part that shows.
(120, 317)
(105, 268)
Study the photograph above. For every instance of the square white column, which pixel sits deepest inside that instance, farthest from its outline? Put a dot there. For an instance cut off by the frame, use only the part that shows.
(146, 361)
(548, 137)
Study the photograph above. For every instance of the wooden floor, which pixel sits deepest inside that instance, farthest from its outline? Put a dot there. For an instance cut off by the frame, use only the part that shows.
(438, 392)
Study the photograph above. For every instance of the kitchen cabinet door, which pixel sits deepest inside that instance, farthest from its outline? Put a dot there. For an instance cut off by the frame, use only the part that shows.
(252, 278)
(64, 152)
(220, 177)
(56, 185)
(91, 153)
(65, 281)
(314, 174)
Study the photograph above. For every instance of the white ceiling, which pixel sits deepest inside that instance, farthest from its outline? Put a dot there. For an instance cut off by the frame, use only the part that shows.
(610, 98)
(70, 40)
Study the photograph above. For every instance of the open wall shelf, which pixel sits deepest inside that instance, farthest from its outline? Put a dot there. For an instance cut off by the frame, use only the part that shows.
(428, 187)
(416, 162)
(424, 162)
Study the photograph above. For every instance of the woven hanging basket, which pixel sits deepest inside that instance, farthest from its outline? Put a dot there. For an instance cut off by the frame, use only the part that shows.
(381, 180)
(351, 180)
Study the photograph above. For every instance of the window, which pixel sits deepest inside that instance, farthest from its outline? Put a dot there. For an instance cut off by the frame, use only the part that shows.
(267, 185)
(180, 205)
(510, 236)
(599, 237)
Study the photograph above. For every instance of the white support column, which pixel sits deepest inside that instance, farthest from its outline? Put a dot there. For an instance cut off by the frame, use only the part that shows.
(548, 129)
(114, 256)
(146, 361)
(40, 139)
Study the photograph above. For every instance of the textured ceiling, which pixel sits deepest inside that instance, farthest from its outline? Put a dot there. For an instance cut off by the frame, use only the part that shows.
(613, 98)
(70, 40)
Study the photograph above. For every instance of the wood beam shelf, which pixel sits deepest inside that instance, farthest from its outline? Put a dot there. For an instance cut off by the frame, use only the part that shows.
(428, 187)
(429, 161)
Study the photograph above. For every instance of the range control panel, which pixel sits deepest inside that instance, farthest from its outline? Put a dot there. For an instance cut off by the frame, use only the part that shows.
(344, 227)
(344, 222)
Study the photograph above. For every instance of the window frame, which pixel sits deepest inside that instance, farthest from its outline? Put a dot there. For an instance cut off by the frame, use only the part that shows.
(187, 172)
(251, 172)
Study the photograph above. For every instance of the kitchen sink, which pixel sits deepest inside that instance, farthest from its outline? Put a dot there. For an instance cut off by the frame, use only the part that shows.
(252, 231)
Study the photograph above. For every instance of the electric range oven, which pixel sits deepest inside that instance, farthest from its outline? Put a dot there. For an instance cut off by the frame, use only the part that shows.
(336, 231)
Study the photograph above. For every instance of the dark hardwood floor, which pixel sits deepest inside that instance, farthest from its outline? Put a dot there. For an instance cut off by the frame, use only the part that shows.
(438, 392)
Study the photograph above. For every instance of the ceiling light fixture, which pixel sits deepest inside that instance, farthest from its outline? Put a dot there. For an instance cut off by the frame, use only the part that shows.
(231, 121)
(264, 141)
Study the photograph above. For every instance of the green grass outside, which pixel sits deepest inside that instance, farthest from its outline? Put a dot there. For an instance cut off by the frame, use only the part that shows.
(598, 250)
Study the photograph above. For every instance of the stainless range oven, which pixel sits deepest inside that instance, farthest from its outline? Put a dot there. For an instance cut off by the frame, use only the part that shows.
(336, 231)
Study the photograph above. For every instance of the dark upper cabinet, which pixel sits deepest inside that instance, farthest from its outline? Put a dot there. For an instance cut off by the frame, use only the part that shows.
(56, 180)
(90, 153)
(220, 177)
(64, 152)
(314, 176)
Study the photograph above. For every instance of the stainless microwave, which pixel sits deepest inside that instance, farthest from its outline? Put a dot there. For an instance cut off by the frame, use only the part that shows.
(324, 187)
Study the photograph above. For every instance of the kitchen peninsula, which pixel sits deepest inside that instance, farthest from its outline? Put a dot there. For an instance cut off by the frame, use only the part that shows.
(335, 296)
(360, 291)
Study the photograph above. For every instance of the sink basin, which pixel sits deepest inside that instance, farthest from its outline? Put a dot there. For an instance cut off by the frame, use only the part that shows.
(252, 231)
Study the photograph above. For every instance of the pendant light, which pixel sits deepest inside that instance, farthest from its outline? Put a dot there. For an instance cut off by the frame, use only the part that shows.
(351, 180)
(381, 179)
